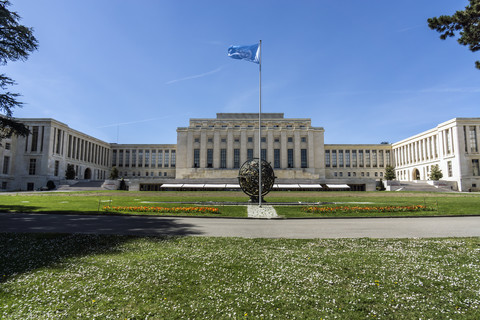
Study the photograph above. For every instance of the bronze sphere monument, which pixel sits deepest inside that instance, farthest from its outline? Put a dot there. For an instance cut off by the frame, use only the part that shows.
(248, 178)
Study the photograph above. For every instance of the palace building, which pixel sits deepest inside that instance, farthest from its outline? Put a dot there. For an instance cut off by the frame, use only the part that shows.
(210, 151)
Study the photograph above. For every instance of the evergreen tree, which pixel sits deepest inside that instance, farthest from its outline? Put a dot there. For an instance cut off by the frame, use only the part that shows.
(466, 23)
(390, 173)
(16, 43)
(435, 173)
(70, 172)
(114, 173)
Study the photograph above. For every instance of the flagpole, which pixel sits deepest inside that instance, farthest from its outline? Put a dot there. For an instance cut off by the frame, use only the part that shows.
(260, 127)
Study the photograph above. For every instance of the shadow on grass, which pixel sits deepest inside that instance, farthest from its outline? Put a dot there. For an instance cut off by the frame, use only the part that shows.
(18, 208)
(25, 252)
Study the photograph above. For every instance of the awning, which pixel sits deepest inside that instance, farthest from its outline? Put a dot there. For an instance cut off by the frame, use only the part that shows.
(338, 186)
(310, 186)
(232, 186)
(172, 185)
(287, 186)
(193, 185)
(215, 185)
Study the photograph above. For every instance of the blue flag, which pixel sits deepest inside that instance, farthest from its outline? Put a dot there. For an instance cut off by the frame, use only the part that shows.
(249, 53)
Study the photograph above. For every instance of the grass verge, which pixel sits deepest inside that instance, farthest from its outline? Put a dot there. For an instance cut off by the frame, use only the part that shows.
(49, 276)
(93, 202)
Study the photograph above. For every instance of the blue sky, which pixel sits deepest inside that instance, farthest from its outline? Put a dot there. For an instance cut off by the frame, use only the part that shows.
(366, 71)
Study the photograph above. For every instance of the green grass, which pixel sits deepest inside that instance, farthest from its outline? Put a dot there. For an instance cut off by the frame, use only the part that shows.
(49, 276)
(92, 202)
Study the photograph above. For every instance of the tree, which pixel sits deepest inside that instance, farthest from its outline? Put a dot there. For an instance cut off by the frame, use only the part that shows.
(466, 23)
(435, 173)
(70, 172)
(390, 173)
(16, 43)
(114, 173)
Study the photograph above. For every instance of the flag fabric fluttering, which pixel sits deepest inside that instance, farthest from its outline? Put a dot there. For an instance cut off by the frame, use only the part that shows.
(249, 53)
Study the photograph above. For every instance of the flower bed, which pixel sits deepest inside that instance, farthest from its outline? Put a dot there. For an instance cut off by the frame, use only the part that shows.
(141, 209)
(344, 209)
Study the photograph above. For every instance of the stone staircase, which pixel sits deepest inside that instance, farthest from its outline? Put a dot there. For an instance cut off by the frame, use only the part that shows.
(419, 186)
(82, 185)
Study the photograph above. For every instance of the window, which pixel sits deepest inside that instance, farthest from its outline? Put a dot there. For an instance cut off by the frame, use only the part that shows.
(263, 139)
(380, 158)
(197, 139)
(120, 158)
(236, 158)
(354, 158)
(334, 158)
(447, 139)
(360, 158)
(114, 158)
(6, 165)
(224, 140)
(449, 167)
(341, 174)
(57, 166)
(340, 158)
(167, 158)
(134, 158)
(290, 158)
(34, 138)
(289, 139)
(276, 140)
(327, 158)
(160, 158)
(59, 140)
(147, 158)
(209, 158)
(210, 140)
(475, 167)
(303, 158)
(367, 158)
(276, 158)
(263, 154)
(250, 139)
(4, 185)
(7, 146)
(154, 158)
(140, 158)
(249, 154)
(387, 156)
(347, 158)
(374, 158)
(32, 167)
(473, 139)
(196, 158)
(223, 158)
(127, 158)
(303, 139)
(174, 159)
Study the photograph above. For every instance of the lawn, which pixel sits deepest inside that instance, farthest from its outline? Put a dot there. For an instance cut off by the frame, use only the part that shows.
(94, 202)
(48, 276)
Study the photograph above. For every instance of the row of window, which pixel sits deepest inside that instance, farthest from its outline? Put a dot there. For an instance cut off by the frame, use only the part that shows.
(147, 174)
(288, 126)
(354, 174)
(81, 149)
(250, 139)
(144, 158)
(263, 155)
(357, 158)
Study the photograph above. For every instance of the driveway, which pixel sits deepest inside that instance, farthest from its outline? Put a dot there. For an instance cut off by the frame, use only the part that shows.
(245, 228)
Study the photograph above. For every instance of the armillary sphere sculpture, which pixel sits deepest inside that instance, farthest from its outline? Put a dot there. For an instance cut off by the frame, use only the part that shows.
(248, 178)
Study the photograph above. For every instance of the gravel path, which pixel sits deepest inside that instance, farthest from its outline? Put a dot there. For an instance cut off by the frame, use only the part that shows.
(263, 212)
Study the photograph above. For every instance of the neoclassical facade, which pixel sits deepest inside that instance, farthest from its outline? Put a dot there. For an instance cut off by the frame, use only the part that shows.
(211, 150)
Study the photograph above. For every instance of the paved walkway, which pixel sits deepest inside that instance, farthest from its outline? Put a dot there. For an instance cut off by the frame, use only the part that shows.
(247, 228)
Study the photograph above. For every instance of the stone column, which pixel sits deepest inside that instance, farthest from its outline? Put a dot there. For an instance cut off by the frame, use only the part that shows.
(203, 149)
(216, 149)
(270, 146)
(296, 150)
(283, 149)
(243, 146)
(229, 149)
